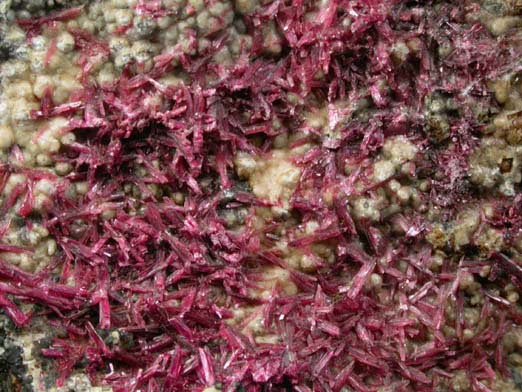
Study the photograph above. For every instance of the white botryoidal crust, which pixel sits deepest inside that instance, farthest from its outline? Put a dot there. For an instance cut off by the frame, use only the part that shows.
(273, 177)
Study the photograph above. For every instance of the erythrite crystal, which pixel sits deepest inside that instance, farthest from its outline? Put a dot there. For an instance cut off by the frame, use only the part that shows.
(283, 212)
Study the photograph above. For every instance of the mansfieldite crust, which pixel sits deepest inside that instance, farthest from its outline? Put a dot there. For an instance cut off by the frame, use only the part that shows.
(265, 195)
